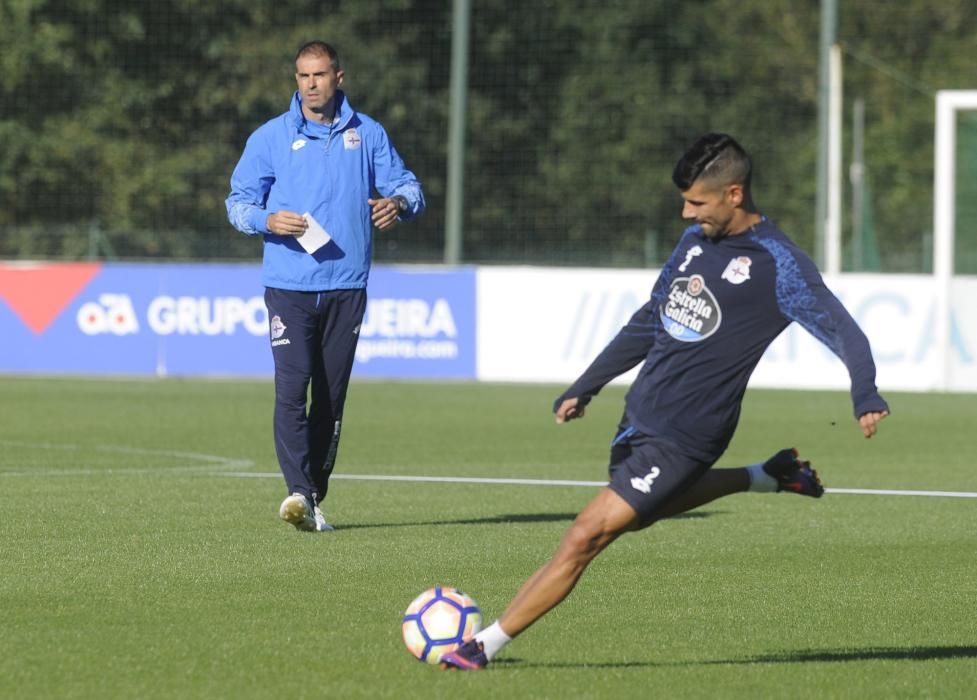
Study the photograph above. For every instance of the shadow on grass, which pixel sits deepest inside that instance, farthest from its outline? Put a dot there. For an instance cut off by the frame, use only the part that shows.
(868, 654)
(493, 520)
(791, 657)
(502, 519)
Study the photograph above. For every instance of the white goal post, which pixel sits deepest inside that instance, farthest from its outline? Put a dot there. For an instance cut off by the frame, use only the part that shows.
(948, 103)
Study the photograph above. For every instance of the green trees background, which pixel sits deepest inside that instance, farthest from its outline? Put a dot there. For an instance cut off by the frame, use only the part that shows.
(120, 121)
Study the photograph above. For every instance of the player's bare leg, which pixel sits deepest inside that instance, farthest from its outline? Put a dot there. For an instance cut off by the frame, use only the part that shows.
(601, 522)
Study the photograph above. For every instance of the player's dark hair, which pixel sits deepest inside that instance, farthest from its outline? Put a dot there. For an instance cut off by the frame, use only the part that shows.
(714, 157)
(319, 48)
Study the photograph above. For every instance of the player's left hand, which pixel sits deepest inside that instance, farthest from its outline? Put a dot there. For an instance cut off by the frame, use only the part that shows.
(869, 422)
(385, 212)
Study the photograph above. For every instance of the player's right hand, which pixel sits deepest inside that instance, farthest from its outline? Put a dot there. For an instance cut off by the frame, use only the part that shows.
(569, 410)
(286, 223)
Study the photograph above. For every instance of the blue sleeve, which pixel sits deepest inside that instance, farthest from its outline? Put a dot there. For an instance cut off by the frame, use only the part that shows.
(629, 347)
(251, 182)
(393, 178)
(803, 297)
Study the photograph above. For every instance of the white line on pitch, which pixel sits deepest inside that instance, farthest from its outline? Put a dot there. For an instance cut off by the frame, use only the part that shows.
(889, 492)
(564, 482)
(442, 479)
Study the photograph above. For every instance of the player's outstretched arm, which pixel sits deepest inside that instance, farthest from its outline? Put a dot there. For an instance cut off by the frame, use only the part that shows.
(869, 422)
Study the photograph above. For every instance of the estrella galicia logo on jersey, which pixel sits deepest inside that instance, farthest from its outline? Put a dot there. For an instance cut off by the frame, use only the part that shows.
(738, 270)
(690, 313)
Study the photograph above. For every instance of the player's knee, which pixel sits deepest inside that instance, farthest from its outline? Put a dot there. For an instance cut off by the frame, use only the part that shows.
(585, 539)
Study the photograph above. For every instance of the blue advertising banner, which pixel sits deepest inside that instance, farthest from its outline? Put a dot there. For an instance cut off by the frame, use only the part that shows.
(162, 319)
(418, 323)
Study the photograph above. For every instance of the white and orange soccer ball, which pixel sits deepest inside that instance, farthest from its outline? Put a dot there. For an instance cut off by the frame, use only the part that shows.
(439, 620)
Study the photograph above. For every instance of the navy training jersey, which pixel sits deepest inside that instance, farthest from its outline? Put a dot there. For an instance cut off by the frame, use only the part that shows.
(716, 307)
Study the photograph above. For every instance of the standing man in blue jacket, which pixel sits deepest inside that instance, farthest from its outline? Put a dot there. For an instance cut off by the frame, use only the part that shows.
(314, 182)
(733, 283)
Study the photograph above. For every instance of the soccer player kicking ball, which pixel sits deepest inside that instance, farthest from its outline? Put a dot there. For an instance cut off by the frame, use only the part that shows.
(733, 283)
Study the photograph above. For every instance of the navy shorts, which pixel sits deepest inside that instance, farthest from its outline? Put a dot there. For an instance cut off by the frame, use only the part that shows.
(648, 472)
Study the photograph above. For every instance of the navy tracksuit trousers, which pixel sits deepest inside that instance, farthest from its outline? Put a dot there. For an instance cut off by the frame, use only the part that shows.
(313, 341)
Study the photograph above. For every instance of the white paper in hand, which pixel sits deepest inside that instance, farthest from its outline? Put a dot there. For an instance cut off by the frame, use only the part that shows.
(314, 237)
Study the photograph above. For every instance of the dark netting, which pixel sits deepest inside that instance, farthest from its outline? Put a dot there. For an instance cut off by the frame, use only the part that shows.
(120, 122)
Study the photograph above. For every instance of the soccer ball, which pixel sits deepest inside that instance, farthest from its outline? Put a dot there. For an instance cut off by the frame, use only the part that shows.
(439, 620)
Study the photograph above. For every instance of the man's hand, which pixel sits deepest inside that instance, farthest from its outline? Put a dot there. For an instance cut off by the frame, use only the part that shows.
(569, 410)
(869, 422)
(286, 223)
(385, 212)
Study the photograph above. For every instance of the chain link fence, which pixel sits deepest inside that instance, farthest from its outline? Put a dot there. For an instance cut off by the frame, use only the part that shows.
(120, 122)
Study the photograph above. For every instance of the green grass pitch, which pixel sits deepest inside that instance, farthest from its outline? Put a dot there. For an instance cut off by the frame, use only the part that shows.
(136, 562)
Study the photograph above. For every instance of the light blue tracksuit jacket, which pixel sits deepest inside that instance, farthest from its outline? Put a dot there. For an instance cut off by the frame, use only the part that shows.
(292, 164)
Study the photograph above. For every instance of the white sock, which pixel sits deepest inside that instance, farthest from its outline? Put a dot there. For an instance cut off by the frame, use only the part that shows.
(759, 479)
(493, 639)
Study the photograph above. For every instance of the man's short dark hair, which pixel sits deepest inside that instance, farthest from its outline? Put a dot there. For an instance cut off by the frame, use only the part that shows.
(319, 48)
(717, 158)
